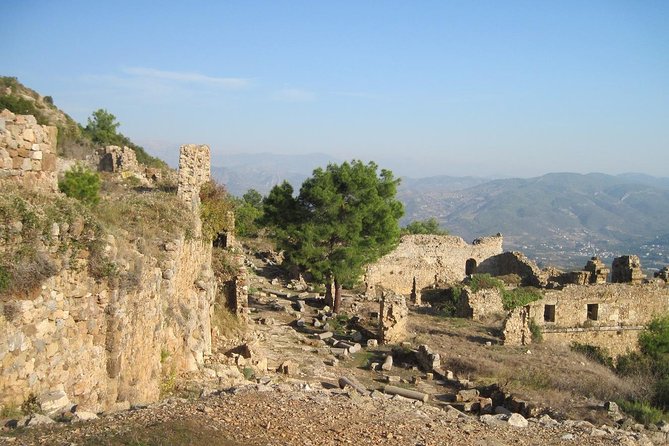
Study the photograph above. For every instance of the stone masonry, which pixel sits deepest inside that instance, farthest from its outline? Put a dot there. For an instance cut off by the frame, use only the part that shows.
(393, 317)
(422, 261)
(194, 171)
(608, 315)
(118, 159)
(105, 346)
(627, 269)
(28, 152)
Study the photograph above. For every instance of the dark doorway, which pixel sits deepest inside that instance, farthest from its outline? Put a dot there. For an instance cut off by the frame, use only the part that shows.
(470, 267)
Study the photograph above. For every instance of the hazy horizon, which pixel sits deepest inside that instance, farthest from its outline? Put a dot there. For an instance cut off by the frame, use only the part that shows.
(512, 89)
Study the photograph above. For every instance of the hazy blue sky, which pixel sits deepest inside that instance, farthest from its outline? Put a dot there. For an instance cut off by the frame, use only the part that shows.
(425, 87)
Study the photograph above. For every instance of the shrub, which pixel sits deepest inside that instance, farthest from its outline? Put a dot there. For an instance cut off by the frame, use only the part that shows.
(484, 281)
(429, 226)
(31, 406)
(5, 279)
(641, 411)
(597, 354)
(216, 209)
(535, 330)
(82, 184)
(519, 297)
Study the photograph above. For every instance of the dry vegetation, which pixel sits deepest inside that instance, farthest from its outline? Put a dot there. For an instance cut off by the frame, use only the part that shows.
(553, 376)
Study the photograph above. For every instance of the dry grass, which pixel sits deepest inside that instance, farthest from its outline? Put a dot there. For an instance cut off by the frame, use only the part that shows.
(553, 376)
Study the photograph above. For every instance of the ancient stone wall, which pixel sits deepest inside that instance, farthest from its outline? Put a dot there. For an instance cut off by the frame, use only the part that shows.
(27, 152)
(428, 259)
(627, 269)
(605, 315)
(514, 263)
(194, 171)
(477, 305)
(118, 159)
(107, 345)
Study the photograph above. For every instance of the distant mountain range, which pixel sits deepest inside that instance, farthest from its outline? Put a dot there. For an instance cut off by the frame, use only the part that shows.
(558, 219)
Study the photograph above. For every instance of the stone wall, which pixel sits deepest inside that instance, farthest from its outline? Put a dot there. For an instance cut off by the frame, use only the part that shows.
(28, 152)
(427, 259)
(107, 345)
(477, 305)
(194, 171)
(514, 263)
(606, 315)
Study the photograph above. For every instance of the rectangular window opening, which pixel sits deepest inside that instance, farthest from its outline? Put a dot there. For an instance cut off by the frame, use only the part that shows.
(593, 310)
(549, 313)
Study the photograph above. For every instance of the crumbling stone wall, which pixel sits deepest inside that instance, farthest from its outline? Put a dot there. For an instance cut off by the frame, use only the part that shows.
(627, 269)
(606, 315)
(118, 159)
(480, 304)
(194, 171)
(514, 263)
(393, 319)
(426, 260)
(27, 152)
(516, 329)
(108, 345)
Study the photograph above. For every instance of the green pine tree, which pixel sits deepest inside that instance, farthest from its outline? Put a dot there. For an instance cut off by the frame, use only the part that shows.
(345, 217)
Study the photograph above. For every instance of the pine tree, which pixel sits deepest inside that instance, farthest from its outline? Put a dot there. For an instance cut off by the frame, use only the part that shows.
(345, 217)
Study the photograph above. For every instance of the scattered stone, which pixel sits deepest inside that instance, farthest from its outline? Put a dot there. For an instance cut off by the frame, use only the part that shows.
(54, 402)
(567, 437)
(494, 420)
(37, 420)
(387, 364)
(372, 342)
(517, 420)
(325, 335)
(392, 378)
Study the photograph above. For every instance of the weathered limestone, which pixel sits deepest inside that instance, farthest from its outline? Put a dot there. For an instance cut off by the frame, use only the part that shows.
(28, 152)
(477, 305)
(194, 171)
(516, 327)
(608, 315)
(598, 271)
(118, 159)
(394, 315)
(427, 359)
(421, 261)
(627, 269)
(514, 263)
(106, 346)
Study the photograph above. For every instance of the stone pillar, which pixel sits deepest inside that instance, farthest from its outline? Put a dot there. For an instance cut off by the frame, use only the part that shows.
(627, 269)
(516, 327)
(393, 317)
(194, 171)
(598, 272)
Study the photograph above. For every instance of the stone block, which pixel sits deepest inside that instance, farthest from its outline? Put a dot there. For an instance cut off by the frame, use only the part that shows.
(36, 155)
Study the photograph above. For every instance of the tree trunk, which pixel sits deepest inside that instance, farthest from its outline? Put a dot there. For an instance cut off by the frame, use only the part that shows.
(337, 296)
(329, 299)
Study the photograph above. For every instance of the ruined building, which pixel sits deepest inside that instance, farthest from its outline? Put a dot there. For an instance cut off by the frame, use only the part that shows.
(422, 261)
(607, 315)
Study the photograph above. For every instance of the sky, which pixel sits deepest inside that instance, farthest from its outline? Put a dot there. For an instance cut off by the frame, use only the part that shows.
(481, 88)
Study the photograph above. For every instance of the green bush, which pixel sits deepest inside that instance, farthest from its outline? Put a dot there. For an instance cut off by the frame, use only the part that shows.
(483, 282)
(82, 184)
(5, 279)
(429, 226)
(535, 330)
(519, 297)
(641, 411)
(215, 210)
